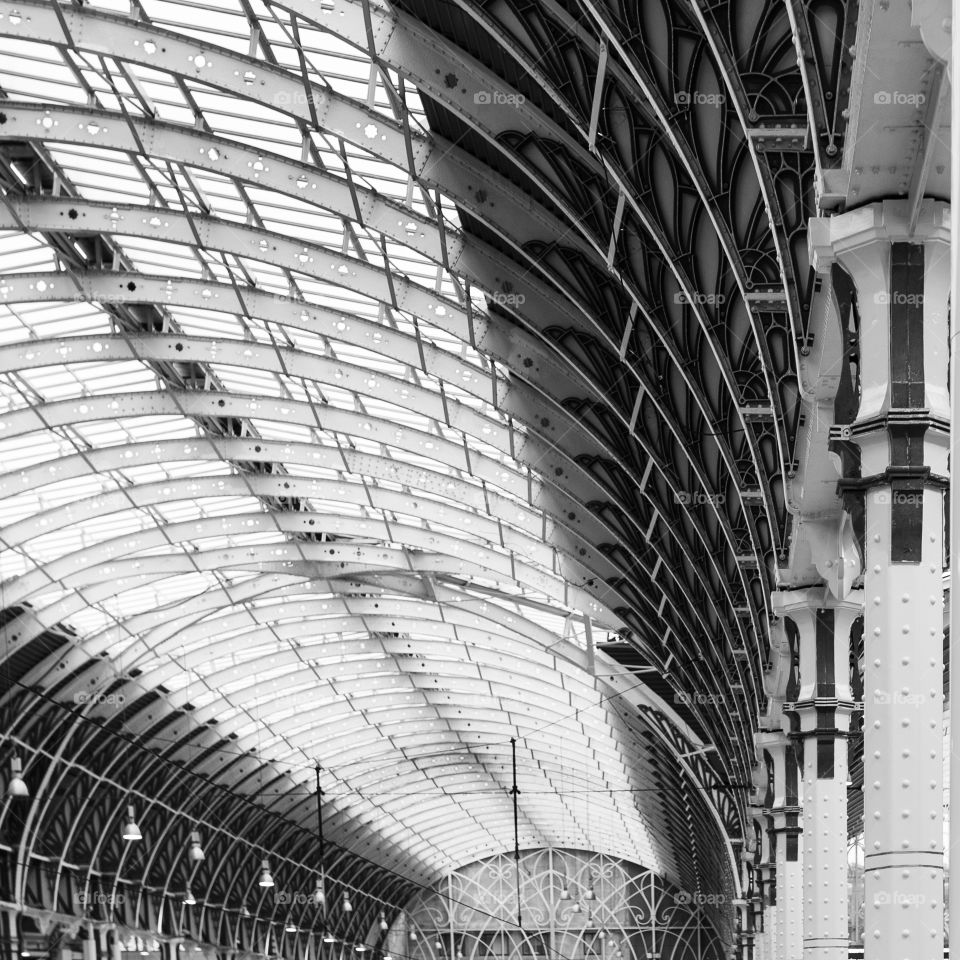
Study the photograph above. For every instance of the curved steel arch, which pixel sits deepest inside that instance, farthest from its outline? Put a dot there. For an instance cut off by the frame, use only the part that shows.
(648, 103)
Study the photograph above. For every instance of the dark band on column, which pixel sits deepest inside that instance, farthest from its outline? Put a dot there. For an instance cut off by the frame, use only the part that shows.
(906, 325)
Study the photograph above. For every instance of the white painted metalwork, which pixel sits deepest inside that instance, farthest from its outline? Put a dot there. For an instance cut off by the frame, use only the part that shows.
(302, 499)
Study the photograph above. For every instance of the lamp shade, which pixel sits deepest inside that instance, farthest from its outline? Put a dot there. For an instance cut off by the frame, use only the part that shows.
(16, 785)
(266, 878)
(195, 853)
(131, 831)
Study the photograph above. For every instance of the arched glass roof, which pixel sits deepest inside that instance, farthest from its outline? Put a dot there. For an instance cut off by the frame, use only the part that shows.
(256, 448)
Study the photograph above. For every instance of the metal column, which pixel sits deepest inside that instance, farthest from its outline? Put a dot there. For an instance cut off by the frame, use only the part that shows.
(903, 743)
(820, 724)
(765, 880)
(900, 435)
(785, 921)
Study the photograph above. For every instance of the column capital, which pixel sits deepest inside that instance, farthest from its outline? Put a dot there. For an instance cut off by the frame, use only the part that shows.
(832, 546)
(823, 624)
(829, 239)
(800, 604)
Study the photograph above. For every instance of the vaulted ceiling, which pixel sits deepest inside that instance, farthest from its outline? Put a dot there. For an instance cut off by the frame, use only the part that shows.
(382, 383)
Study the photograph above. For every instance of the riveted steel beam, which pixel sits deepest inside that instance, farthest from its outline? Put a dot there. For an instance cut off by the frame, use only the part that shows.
(249, 78)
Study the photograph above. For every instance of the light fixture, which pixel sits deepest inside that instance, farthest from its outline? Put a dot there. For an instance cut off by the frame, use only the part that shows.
(576, 908)
(360, 947)
(266, 878)
(195, 852)
(590, 894)
(190, 900)
(438, 945)
(564, 889)
(346, 904)
(328, 937)
(291, 927)
(319, 898)
(131, 831)
(413, 935)
(383, 922)
(17, 786)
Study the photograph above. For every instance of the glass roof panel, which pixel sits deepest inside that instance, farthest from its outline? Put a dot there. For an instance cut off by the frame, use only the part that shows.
(171, 518)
